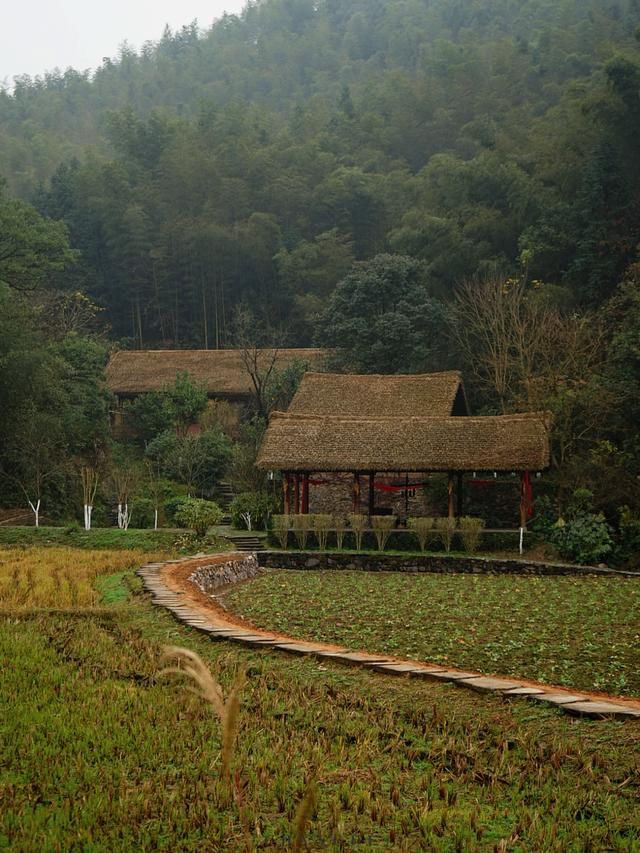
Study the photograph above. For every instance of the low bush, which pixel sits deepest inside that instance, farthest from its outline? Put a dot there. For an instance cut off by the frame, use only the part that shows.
(382, 526)
(423, 529)
(198, 514)
(358, 524)
(281, 524)
(445, 528)
(340, 526)
(321, 523)
(470, 532)
(302, 526)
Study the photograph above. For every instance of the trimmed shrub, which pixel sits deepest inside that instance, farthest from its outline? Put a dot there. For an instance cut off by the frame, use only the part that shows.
(302, 525)
(470, 532)
(423, 529)
(358, 524)
(445, 528)
(321, 523)
(340, 525)
(198, 514)
(382, 526)
(281, 525)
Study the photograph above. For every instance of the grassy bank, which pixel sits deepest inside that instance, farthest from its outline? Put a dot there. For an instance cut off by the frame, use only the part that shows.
(99, 537)
(99, 752)
(581, 632)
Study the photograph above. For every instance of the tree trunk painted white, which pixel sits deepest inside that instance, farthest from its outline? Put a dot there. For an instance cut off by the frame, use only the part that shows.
(155, 519)
(87, 516)
(36, 511)
(246, 517)
(521, 540)
(126, 517)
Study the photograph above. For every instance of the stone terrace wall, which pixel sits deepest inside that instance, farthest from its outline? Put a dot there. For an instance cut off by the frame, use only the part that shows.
(210, 576)
(423, 563)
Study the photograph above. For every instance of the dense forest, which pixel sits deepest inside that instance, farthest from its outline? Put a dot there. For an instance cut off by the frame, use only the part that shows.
(385, 179)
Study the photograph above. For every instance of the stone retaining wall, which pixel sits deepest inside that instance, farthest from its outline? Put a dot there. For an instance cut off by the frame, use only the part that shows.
(213, 575)
(423, 563)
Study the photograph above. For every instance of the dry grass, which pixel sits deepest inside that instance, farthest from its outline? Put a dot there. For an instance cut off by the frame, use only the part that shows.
(210, 690)
(58, 577)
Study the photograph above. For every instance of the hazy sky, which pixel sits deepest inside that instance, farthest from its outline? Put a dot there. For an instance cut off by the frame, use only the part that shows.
(38, 35)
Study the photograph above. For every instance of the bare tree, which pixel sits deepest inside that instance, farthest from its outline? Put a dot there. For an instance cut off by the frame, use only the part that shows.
(259, 345)
(533, 356)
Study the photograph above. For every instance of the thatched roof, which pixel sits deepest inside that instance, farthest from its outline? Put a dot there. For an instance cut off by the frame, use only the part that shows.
(222, 372)
(498, 443)
(370, 396)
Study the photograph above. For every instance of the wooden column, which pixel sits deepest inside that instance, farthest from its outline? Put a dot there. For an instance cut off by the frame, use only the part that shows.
(297, 494)
(305, 493)
(450, 492)
(459, 495)
(355, 504)
(372, 492)
(286, 492)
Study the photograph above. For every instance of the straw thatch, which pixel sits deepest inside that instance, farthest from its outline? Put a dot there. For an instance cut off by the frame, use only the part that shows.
(498, 443)
(221, 372)
(370, 396)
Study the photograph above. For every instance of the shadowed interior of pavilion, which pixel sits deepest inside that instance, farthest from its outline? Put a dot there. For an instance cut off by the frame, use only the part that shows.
(372, 427)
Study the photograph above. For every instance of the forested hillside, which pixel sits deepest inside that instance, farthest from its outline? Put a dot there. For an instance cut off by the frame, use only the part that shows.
(257, 161)
(431, 143)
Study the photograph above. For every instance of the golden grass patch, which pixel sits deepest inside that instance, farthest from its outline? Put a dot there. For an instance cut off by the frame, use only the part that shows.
(59, 577)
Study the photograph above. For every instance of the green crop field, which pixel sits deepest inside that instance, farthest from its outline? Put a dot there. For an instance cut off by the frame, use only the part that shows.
(100, 751)
(582, 632)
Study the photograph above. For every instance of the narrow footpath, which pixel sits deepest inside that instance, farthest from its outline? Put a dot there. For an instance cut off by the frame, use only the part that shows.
(173, 587)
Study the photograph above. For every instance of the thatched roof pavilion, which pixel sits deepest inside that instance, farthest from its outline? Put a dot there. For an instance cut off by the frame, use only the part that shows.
(222, 372)
(372, 396)
(500, 443)
(368, 425)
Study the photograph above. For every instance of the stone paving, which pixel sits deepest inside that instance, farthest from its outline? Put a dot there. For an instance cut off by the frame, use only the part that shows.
(214, 624)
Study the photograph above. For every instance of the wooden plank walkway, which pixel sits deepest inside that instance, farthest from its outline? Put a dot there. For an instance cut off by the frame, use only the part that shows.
(192, 614)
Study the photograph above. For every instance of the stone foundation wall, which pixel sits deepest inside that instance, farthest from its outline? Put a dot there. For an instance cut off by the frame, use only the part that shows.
(426, 563)
(213, 575)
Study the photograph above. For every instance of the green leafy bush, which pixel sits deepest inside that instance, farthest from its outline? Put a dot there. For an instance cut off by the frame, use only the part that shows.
(198, 515)
(172, 507)
(585, 539)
